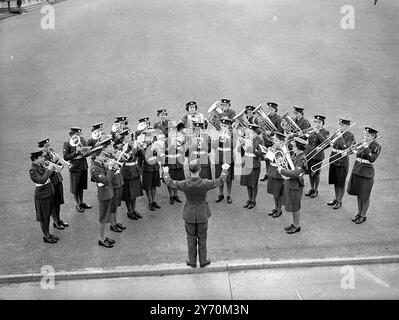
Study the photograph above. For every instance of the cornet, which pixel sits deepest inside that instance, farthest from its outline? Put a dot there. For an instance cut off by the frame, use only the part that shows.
(47, 164)
(56, 157)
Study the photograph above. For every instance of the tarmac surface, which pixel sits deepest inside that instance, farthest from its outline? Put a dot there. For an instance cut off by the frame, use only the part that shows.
(111, 58)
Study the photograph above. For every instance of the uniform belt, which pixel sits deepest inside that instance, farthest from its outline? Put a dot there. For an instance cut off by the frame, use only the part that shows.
(78, 157)
(41, 185)
(152, 158)
(201, 152)
(129, 164)
(337, 150)
(99, 184)
(247, 154)
(118, 171)
(224, 149)
(363, 160)
(173, 155)
(273, 164)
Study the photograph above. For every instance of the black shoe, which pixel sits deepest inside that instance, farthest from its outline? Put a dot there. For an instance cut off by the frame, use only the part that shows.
(289, 227)
(177, 199)
(229, 201)
(115, 229)
(357, 216)
(360, 220)
(137, 214)
(337, 205)
(58, 226)
(247, 204)
(251, 205)
(220, 198)
(294, 230)
(272, 212)
(151, 207)
(207, 263)
(264, 178)
(105, 244)
(80, 209)
(121, 226)
(332, 203)
(63, 223)
(49, 240)
(132, 216)
(314, 194)
(85, 206)
(109, 240)
(155, 205)
(309, 193)
(171, 200)
(277, 214)
(54, 237)
(191, 265)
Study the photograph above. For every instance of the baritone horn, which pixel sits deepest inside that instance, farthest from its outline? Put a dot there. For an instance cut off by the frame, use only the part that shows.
(240, 124)
(288, 124)
(263, 119)
(215, 115)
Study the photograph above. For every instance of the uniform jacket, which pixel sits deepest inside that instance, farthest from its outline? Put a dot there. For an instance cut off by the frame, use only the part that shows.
(163, 126)
(371, 154)
(302, 123)
(71, 155)
(295, 179)
(276, 119)
(315, 139)
(203, 154)
(132, 172)
(174, 156)
(102, 176)
(342, 143)
(41, 175)
(249, 161)
(224, 151)
(91, 142)
(229, 113)
(196, 208)
(149, 159)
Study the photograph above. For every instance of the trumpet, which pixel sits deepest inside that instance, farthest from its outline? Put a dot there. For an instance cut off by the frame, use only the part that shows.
(113, 164)
(326, 143)
(56, 157)
(50, 164)
(288, 124)
(348, 151)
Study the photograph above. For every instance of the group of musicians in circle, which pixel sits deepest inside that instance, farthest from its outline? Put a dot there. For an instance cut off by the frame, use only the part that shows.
(127, 163)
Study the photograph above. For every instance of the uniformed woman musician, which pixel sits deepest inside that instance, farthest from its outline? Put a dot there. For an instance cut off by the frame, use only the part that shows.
(362, 177)
(315, 139)
(44, 193)
(293, 186)
(251, 156)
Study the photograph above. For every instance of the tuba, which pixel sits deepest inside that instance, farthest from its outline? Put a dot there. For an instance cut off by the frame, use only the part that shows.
(214, 115)
(262, 119)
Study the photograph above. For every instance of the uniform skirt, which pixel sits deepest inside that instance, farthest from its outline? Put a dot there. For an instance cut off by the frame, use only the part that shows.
(206, 173)
(292, 199)
(360, 186)
(131, 189)
(78, 181)
(151, 179)
(337, 175)
(105, 211)
(275, 186)
(44, 208)
(230, 172)
(313, 162)
(177, 174)
(58, 194)
(116, 199)
(250, 177)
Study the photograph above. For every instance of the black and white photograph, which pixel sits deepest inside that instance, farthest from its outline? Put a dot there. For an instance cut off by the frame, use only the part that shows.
(217, 152)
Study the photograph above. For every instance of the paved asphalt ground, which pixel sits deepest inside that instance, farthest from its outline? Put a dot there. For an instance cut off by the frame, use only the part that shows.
(108, 58)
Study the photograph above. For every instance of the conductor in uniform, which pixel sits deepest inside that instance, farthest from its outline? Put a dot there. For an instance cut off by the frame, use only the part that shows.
(196, 210)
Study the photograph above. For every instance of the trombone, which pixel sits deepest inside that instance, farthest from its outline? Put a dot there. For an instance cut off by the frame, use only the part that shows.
(348, 151)
(326, 143)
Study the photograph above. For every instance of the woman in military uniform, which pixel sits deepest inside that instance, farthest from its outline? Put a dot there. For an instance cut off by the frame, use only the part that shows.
(162, 124)
(338, 170)
(102, 175)
(251, 156)
(224, 151)
(275, 182)
(315, 139)
(132, 187)
(293, 186)
(44, 193)
(362, 177)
